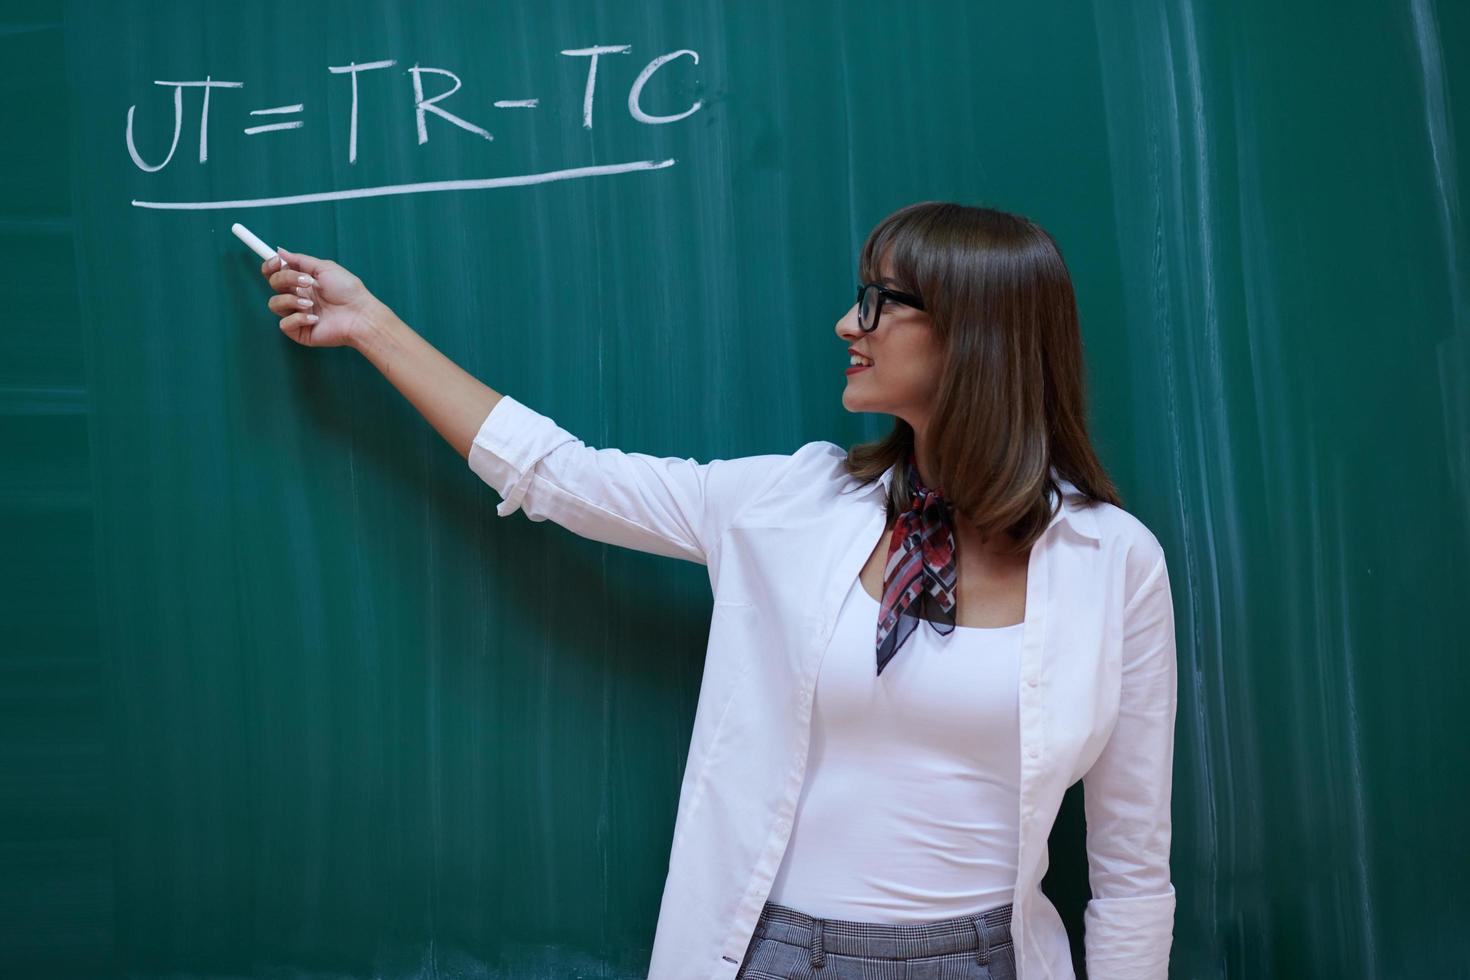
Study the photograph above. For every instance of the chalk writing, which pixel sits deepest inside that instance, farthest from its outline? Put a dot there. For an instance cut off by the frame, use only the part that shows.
(424, 105)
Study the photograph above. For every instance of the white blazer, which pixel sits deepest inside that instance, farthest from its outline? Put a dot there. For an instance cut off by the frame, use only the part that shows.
(783, 538)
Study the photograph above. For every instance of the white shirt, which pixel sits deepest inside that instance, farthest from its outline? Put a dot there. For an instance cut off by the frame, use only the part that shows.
(783, 538)
(910, 810)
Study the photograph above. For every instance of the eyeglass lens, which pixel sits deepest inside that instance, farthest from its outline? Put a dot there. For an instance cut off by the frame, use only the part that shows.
(868, 308)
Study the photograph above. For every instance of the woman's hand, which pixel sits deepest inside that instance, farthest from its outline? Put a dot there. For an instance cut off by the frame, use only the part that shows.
(338, 310)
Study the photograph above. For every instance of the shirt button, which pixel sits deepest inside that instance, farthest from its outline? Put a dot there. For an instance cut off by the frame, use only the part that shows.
(1033, 752)
(1031, 680)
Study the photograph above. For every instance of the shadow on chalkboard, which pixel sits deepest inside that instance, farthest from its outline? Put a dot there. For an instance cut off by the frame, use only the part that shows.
(340, 399)
(340, 403)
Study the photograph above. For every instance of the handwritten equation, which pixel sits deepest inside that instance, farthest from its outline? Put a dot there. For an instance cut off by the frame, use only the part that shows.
(423, 107)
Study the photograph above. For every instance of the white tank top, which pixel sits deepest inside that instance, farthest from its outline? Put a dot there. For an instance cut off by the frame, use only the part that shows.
(909, 808)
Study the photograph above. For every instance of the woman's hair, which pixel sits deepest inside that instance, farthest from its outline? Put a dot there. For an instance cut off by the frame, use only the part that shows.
(1010, 402)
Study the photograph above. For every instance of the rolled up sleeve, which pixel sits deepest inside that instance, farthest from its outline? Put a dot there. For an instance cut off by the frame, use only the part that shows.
(1129, 922)
(666, 506)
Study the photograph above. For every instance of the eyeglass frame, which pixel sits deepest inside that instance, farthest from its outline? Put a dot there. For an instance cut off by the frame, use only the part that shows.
(907, 299)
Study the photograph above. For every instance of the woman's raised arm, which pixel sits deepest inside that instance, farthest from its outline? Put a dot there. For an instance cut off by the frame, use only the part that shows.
(668, 506)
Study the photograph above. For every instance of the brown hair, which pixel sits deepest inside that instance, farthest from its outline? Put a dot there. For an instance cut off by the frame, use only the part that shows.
(1011, 402)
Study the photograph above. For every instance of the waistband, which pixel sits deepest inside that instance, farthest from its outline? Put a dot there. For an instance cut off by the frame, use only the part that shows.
(982, 932)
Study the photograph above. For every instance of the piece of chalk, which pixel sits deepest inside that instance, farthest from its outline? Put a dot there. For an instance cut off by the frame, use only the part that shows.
(256, 245)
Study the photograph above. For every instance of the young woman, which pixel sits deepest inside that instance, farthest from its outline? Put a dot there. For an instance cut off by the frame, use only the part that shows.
(917, 645)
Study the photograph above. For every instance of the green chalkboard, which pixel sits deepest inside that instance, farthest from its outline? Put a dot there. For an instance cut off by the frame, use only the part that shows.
(281, 696)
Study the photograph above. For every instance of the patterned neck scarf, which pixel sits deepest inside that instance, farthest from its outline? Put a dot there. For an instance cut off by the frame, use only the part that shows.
(919, 579)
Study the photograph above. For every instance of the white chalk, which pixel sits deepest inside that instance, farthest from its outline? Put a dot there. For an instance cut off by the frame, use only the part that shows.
(256, 245)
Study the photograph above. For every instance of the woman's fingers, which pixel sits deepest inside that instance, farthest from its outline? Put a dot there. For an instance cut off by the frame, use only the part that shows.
(287, 279)
(284, 304)
(297, 321)
(302, 262)
(294, 261)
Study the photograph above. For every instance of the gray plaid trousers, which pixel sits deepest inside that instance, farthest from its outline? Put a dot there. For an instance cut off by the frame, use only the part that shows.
(790, 945)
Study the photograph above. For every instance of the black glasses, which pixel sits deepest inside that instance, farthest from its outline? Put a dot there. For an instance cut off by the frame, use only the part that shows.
(870, 297)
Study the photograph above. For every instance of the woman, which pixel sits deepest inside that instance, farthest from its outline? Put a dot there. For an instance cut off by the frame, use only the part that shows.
(917, 646)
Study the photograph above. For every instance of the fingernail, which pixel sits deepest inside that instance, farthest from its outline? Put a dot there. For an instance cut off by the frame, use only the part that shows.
(311, 318)
(305, 280)
(302, 301)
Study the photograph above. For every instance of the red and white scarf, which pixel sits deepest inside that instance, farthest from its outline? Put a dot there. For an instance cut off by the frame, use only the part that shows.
(921, 575)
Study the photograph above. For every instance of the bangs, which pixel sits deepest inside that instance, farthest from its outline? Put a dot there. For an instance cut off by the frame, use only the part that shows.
(900, 238)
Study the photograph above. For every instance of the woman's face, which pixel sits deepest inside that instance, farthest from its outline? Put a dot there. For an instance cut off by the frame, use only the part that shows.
(906, 361)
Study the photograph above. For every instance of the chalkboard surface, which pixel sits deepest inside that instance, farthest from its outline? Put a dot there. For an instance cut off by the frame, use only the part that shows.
(283, 696)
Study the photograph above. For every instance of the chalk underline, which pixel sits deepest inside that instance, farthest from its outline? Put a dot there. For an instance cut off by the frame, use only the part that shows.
(418, 188)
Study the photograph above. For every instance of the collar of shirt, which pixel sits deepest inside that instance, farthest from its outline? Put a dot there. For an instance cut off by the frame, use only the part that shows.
(1081, 517)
